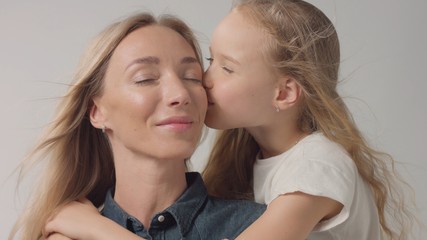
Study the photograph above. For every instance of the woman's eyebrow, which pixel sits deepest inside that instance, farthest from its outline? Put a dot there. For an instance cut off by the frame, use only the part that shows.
(189, 60)
(150, 60)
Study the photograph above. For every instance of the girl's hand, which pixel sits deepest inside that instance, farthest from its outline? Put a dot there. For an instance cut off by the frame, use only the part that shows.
(81, 220)
(57, 236)
(76, 220)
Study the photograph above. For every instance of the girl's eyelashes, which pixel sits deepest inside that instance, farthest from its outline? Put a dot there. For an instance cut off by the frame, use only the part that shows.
(228, 70)
(210, 59)
(225, 68)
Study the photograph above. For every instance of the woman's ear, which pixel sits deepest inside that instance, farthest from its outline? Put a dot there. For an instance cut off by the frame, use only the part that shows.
(288, 92)
(97, 118)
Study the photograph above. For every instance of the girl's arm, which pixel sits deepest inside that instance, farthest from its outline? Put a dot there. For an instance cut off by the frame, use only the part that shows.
(81, 220)
(292, 217)
(57, 236)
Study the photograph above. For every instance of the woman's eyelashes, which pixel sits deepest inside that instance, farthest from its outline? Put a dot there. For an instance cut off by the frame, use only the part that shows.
(144, 80)
(152, 80)
(192, 74)
(145, 76)
(194, 79)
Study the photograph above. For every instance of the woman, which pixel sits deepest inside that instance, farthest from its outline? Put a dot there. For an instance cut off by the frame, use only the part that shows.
(122, 135)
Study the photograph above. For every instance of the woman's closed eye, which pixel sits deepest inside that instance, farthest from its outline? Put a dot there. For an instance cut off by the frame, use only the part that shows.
(144, 79)
(192, 74)
(193, 78)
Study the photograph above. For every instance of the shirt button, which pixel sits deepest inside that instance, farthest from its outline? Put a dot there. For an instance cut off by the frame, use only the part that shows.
(161, 218)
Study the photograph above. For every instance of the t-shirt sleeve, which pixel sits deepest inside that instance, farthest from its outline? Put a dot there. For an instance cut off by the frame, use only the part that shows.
(325, 171)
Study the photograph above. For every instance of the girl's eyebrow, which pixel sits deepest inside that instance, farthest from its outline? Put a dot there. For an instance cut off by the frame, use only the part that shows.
(227, 57)
(230, 58)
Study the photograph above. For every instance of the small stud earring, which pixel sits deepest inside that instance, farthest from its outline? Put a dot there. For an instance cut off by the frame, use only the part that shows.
(103, 129)
(277, 109)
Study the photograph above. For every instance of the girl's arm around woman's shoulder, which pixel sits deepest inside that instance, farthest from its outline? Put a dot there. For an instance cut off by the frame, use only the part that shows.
(81, 220)
(292, 217)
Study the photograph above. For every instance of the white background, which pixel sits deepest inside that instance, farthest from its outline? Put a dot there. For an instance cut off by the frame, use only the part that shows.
(384, 71)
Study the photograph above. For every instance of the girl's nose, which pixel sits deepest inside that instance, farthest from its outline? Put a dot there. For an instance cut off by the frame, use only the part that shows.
(207, 81)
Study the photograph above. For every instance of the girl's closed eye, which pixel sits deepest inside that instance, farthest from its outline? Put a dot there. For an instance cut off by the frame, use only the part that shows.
(227, 69)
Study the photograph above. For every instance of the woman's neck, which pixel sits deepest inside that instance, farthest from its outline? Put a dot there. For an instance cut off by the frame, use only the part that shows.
(146, 187)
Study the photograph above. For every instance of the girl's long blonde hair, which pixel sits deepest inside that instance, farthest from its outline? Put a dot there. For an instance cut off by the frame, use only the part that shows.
(79, 157)
(304, 44)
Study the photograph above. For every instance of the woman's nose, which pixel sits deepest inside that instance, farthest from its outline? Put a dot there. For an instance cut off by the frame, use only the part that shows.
(177, 94)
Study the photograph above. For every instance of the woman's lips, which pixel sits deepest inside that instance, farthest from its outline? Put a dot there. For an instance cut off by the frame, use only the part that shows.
(178, 123)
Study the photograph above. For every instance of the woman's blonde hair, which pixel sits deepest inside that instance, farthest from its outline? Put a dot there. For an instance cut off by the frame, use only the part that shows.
(79, 157)
(303, 43)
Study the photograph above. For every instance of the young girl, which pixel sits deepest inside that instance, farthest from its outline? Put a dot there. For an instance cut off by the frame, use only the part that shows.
(289, 140)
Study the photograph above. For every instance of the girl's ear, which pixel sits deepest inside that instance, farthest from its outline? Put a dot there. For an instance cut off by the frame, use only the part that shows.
(288, 92)
(97, 118)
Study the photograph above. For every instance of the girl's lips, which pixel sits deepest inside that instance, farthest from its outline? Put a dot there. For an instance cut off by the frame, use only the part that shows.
(210, 102)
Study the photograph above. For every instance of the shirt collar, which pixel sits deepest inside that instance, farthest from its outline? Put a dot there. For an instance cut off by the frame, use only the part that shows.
(184, 210)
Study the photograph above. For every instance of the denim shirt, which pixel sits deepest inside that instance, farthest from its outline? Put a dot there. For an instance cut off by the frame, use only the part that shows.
(195, 215)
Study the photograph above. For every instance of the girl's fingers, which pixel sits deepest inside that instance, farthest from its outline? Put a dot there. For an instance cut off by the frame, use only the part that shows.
(85, 201)
(57, 236)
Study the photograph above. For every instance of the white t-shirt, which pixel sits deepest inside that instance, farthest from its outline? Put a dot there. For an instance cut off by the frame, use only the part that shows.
(320, 167)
